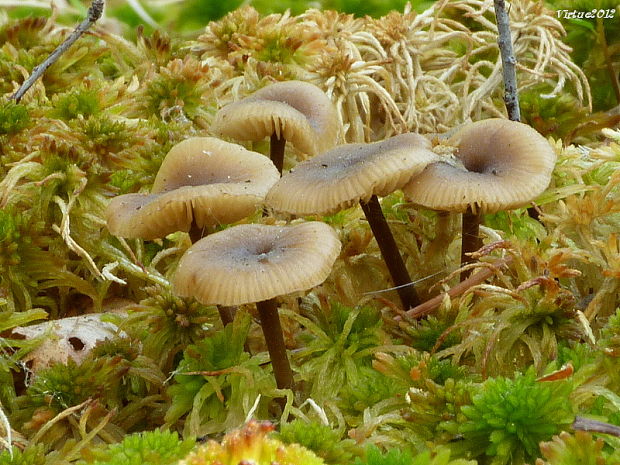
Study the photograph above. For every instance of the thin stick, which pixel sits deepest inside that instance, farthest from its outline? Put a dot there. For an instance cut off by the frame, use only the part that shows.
(509, 70)
(430, 305)
(511, 98)
(94, 13)
(586, 424)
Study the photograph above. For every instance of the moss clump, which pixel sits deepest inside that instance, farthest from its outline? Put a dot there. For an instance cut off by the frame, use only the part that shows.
(251, 444)
(13, 117)
(319, 438)
(149, 448)
(509, 417)
(33, 455)
(81, 102)
(403, 457)
(567, 449)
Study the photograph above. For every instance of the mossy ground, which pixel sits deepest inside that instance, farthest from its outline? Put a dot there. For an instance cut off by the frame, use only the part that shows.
(494, 375)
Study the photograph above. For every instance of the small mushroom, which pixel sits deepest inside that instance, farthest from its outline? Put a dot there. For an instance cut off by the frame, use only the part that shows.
(202, 182)
(257, 263)
(293, 111)
(354, 173)
(500, 165)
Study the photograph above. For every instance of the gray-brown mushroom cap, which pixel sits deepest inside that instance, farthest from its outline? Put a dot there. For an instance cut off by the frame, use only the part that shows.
(503, 165)
(202, 180)
(298, 111)
(349, 173)
(255, 262)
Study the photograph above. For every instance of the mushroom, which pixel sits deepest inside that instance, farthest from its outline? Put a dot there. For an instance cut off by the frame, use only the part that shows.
(202, 182)
(352, 173)
(257, 263)
(499, 165)
(296, 111)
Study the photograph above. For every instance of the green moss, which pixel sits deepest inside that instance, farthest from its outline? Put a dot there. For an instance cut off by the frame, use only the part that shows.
(395, 456)
(32, 455)
(80, 102)
(217, 382)
(13, 117)
(425, 334)
(339, 342)
(251, 445)
(24, 33)
(148, 448)
(65, 385)
(319, 438)
(167, 324)
(509, 417)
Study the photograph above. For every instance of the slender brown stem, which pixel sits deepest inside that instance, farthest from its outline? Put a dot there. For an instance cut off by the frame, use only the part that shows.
(272, 330)
(389, 251)
(470, 239)
(227, 314)
(276, 151)
(195, 232)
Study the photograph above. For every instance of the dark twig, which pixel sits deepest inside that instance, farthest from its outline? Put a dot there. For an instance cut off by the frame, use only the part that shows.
(585, 424)
(479, 277)
(509, 62)
(511, 98)
(94, 13)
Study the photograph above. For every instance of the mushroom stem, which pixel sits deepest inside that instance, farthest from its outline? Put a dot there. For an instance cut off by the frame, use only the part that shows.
(389, 251)
(227, 314)
(195, 232)
(470, 238)
(276, 151)
(272, 330)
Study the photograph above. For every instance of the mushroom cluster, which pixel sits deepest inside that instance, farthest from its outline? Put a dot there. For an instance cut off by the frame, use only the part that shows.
(204, 181)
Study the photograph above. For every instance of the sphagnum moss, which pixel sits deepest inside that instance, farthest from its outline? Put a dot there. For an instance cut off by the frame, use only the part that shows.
(508, 418)
(407, 71)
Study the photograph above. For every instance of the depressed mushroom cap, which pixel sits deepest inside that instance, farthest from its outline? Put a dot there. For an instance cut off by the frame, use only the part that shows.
(349, 173)
(502, 165)
(298, 111)
(255, 262)
(202, 180)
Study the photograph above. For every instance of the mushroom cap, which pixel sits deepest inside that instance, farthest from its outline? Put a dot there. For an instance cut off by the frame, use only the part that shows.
(349, 173)
(298, 111)
(254, 262)
(203, 180)
(505, 164)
